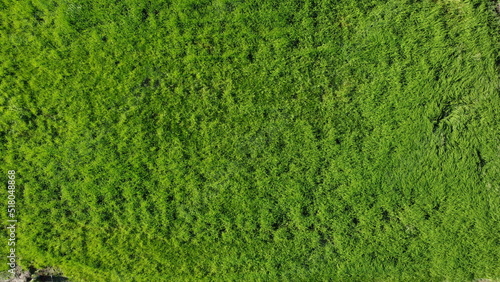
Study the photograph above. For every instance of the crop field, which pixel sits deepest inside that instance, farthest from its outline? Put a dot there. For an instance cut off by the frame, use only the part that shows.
(295, 140)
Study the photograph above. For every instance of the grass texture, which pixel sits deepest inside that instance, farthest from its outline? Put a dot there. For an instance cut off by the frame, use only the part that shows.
(297, 140)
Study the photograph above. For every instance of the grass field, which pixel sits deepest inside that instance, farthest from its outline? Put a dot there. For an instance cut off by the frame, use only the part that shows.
(185, 140)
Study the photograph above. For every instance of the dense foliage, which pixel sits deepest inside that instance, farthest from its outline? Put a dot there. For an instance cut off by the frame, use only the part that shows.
(254, 140)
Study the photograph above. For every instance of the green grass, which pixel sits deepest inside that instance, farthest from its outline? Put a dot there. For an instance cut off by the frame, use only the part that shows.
(254, 140)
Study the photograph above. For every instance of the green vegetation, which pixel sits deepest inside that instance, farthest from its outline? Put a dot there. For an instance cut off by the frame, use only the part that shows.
(253, 140)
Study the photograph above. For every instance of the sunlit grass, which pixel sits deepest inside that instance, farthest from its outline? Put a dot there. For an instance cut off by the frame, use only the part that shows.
(241, 140)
